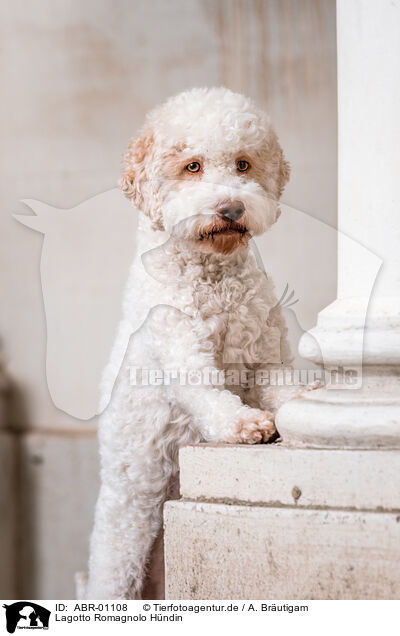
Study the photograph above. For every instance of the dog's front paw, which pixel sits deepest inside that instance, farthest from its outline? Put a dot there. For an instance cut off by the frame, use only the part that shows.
(254, 427)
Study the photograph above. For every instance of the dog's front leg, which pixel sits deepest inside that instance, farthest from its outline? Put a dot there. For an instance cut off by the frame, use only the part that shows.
(221, 416)
(218, 414)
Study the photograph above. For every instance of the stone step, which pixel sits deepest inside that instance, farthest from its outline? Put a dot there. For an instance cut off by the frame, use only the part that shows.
(276, 475)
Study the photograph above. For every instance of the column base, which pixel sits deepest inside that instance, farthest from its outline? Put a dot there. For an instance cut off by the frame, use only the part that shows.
(360, 405)
(368, 417)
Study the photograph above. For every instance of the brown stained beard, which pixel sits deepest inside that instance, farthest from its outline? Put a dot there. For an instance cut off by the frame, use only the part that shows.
(223, 237)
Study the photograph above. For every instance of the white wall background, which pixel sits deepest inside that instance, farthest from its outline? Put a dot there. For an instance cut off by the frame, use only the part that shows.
(77, 79)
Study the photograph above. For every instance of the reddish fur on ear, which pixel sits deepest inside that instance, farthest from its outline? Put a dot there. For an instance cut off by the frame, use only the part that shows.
(283, 173)
(275, 171)
(134, 174)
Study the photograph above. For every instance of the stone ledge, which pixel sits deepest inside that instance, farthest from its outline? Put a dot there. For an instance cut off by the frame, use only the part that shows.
(278, 475)
(218, 551)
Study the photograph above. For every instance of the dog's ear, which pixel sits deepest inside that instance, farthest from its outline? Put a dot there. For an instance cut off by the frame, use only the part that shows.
(277, 168)
(136, 181)
(281, 168)
(134, 175)
(283, 172)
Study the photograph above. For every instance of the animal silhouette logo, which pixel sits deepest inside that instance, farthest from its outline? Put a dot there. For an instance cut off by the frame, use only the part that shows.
(26, 615)
(86, 255)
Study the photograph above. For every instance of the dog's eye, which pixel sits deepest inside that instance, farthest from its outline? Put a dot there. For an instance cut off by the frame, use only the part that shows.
(193, 167)
(242, 165)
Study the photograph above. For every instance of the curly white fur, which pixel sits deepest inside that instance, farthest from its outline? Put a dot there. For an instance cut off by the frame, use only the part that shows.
(195, 299)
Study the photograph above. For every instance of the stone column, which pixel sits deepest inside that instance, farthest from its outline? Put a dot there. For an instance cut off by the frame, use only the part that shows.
(318, 516)
(369, 212)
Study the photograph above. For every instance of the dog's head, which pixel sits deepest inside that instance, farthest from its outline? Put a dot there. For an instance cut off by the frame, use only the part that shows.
(207, 167)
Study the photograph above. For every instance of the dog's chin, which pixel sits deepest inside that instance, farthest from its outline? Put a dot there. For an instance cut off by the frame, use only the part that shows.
(222, 237)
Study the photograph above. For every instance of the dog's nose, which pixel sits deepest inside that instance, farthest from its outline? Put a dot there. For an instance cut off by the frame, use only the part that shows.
(231, 210)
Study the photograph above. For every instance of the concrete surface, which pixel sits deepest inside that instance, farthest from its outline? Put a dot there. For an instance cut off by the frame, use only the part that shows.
(217, 551)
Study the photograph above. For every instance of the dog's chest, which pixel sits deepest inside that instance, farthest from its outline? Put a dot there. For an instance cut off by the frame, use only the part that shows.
(227, 304)
(233, 312)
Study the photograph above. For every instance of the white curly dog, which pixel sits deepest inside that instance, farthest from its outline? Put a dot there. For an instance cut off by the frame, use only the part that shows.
(206, 173)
